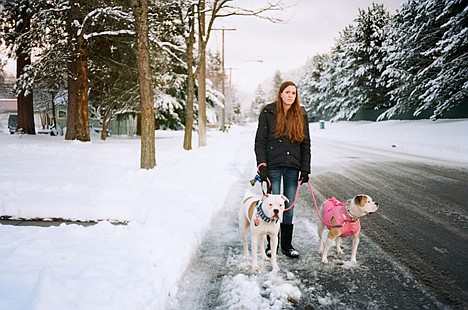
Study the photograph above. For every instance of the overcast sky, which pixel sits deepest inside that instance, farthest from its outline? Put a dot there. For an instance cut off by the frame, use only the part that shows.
(311, 28)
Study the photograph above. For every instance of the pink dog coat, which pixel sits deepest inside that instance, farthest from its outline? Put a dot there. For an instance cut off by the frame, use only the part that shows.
(333, 208)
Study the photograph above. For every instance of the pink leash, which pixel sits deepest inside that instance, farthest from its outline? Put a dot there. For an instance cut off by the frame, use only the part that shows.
(315, 203)
(297, 193)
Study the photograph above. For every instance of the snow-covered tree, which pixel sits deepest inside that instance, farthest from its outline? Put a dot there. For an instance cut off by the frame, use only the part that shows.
(113, 78)
(16, 32)
(356, 67)
(413, 61)
(340, 94)
(214, 70)
(275, 86)
(450, 87)
(367, 54)
(427, 60)
(312, 86)
(348, 80)
(60, 33)
(168, 58)
(260, 100)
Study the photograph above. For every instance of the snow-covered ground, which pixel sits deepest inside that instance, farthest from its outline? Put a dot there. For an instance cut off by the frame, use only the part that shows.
(168, 209)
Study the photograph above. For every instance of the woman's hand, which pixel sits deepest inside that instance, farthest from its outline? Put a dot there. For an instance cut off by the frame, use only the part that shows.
(304, 178)
(263, 172)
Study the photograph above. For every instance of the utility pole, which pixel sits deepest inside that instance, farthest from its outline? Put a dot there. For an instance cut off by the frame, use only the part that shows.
(230, 75)
(223, 116)
(202, 121)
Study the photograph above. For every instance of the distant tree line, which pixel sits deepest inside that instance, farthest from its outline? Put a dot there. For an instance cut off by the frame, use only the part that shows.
(413, 61)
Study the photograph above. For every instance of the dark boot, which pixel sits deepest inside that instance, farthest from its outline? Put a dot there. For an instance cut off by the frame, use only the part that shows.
(286, 237)
(267, 249)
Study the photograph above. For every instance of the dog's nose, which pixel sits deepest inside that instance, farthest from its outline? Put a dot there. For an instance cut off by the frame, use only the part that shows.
(276, 211)
(376, 204)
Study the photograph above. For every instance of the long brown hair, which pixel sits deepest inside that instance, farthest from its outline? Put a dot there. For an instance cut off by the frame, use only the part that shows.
(290, 124)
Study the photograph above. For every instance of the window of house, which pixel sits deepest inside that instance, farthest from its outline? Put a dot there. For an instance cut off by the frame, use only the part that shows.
(62, 114)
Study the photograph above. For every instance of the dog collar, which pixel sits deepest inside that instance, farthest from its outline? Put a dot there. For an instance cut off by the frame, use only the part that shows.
(263, 215)
(351, 216)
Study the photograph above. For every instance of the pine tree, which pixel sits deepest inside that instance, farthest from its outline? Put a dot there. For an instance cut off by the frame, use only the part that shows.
(260, 100)
(356, 66)
(368, 56)
(427, 61)
(168, 58)
(342, 98)
(311, 87)
(277, 81)
(348, 80)
(16, 32)
(448, 88)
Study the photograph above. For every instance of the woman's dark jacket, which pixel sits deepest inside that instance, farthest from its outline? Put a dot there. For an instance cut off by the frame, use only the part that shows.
(280, 151)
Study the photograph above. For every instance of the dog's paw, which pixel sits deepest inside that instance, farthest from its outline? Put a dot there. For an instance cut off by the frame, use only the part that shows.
(325, 261)
(353, 260)
(276, 269)
(265, 258)
(339, 251)
(255, 268)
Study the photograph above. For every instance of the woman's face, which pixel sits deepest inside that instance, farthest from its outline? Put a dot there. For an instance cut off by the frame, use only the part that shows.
(289, 95)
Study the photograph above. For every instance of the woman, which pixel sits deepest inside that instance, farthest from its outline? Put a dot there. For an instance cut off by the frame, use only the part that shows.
(282, 148)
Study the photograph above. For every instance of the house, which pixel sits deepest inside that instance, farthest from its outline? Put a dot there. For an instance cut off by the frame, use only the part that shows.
(8, 103)
(123, 124)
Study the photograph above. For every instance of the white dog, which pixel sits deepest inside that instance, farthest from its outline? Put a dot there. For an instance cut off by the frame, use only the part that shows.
(342, 220)
(263, 217)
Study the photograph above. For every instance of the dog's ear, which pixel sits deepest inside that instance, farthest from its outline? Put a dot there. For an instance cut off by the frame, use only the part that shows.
(264, 196)
(285, 198)
(360, 200)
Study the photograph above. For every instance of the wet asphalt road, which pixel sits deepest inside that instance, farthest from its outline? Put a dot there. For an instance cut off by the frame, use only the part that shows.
(423, 220)
(422, 225)
(413, 252)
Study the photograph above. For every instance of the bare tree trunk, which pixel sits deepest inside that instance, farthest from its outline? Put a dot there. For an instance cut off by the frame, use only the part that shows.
(105, 125)
(189, 115)
(54, 115)
(202, 77)
(72, 109)
(148, 152)
(138, 124)
(191, 85)
(106, 121)
(25, 97)
(25, 101)
(82, 123)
